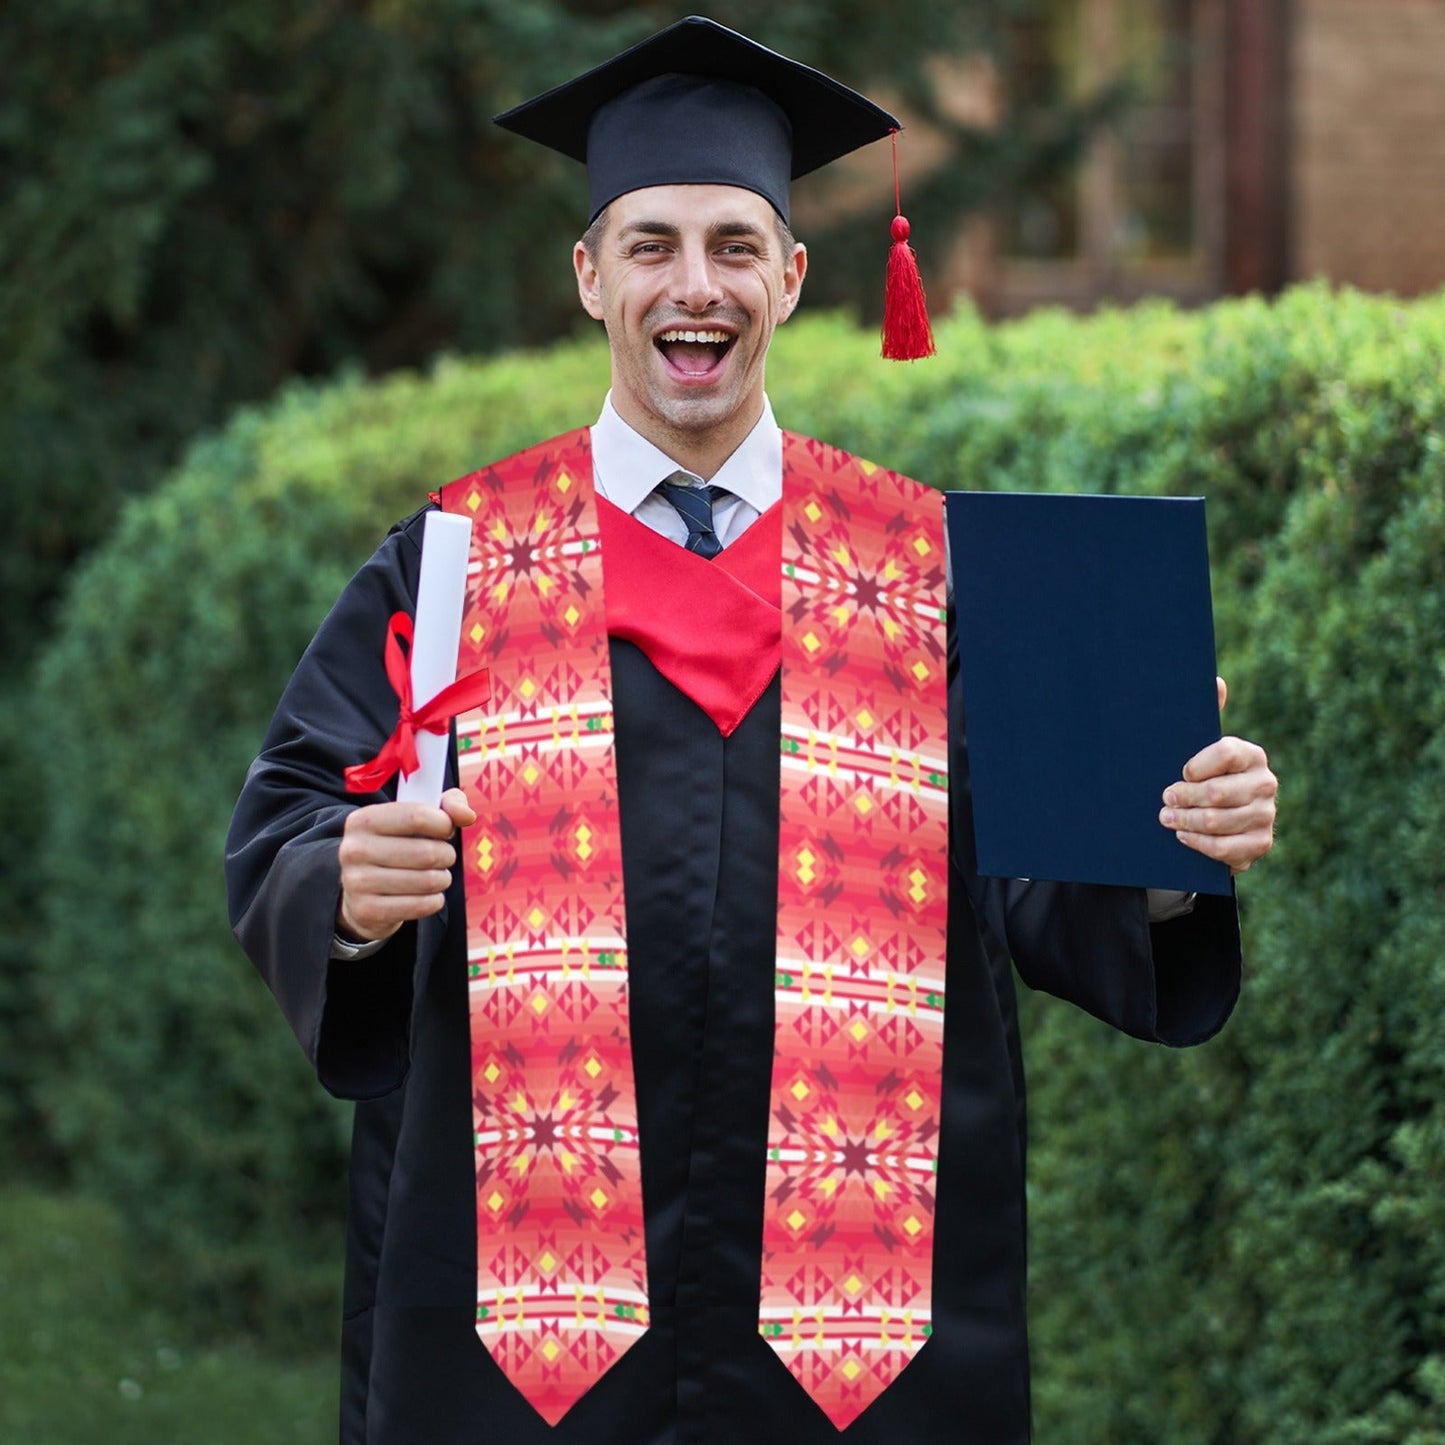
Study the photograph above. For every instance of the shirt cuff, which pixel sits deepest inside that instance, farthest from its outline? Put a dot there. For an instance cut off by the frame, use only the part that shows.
(1167, 903)
(344, 949)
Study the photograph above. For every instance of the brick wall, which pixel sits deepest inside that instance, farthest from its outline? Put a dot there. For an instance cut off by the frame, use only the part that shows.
(1367, 145)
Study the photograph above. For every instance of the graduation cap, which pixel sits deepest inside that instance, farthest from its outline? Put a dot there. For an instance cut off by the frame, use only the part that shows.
(699, 104)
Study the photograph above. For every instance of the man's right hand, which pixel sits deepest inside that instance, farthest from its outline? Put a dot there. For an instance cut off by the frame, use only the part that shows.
(396, 862)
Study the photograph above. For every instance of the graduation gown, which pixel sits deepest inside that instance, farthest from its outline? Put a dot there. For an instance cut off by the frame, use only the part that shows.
(699, 816)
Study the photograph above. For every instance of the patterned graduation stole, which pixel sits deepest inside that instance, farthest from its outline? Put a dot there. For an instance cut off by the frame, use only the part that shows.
(862, 928)
(848, 1233)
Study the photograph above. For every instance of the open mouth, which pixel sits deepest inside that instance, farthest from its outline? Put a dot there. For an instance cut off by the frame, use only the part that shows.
(694, 353)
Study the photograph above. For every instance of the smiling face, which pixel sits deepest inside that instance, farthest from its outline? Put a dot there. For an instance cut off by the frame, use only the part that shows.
(690, 282)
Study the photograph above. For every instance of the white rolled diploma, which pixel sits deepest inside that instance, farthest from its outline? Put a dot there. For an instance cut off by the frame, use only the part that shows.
(446, 545)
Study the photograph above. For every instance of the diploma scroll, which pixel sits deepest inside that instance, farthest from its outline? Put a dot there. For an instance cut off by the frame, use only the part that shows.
(446, 546)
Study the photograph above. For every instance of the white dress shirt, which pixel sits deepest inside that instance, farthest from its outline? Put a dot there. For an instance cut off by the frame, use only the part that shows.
(626, 469)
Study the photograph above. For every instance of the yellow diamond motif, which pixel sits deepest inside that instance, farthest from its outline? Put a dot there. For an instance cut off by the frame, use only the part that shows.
(920, 670)
(598, 1197)
(812, 511)
(567, 1161)
(491, 1073)
(810, 641)
(474, 500)
(881, 1188)
(477, 632)
(592, 1067)
(920, 545)
(584, 842)
(797, 1219)
(548, 1262)
(539, 1004)
(859, 1031)
(919, 879)
(859, 946)
(853, 1284)
(806, 859)
(495, 1201)
(551, 1349)
(912, 1225)
(913, 1099)
(528, 688)
(829, 1188)
(865, 719)
(530, 774)
(536, 917)
(564, 483)
(852, 1369)
(571, 615)
(863, 803)
(799, 1091)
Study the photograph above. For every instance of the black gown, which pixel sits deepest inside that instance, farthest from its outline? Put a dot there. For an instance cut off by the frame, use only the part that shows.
(700, 834)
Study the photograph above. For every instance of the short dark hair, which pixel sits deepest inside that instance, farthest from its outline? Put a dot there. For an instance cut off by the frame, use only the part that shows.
(592, 236)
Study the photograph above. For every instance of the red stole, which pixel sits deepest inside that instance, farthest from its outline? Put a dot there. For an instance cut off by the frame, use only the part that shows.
(845, 579)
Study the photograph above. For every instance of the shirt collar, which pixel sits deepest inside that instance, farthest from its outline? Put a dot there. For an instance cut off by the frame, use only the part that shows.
(626, 467)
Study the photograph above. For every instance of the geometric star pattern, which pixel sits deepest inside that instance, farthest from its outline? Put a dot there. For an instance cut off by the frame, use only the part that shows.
(848, 1233)
(561, 1268)
(853, 1135)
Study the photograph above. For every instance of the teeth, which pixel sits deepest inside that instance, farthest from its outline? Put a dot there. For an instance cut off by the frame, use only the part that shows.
(719, 338)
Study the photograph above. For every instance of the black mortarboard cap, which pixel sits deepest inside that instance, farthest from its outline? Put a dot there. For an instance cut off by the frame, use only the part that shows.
(699, 104)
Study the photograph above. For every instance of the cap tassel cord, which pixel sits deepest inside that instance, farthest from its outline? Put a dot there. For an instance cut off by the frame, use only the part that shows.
(907, 335)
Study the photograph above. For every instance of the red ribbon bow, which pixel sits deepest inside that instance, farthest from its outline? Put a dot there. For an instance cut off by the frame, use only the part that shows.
(398, 753)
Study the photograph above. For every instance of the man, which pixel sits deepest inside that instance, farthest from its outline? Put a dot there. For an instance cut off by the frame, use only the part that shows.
(773, 1067)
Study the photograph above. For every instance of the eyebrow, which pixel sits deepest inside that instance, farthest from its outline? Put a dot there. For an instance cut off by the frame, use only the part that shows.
(666, 230)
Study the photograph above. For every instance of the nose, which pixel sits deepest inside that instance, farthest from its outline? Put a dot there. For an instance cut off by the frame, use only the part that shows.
(696, 287)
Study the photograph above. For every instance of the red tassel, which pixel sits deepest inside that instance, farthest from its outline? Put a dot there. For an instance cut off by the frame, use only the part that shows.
(907, 336)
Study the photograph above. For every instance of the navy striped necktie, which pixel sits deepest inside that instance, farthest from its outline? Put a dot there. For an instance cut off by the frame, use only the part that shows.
(694, 505)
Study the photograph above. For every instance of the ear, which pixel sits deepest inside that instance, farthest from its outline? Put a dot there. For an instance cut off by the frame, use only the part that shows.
(589, 284)
(795, 268)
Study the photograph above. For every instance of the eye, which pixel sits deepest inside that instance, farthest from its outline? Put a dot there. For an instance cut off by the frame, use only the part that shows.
(648, 248)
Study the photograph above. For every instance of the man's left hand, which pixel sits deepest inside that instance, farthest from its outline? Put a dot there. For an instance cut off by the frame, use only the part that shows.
(1224, 805)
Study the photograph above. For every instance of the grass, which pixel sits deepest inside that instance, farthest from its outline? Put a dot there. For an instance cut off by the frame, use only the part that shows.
(83, 1359)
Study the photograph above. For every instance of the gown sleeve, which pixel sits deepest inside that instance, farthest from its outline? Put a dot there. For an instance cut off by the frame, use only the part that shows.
(1093, 945)
(283, 874)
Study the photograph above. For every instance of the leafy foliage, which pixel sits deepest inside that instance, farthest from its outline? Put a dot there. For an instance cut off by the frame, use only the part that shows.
(1236, 1245)
(197, 202)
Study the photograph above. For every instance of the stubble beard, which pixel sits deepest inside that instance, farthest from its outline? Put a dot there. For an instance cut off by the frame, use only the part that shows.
(691, 415)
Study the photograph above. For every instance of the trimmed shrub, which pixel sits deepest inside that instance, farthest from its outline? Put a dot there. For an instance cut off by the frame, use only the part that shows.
(169, 1086)
(1239, 1244)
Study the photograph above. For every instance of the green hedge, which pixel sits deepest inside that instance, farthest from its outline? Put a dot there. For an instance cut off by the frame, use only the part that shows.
(1240, 1244)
